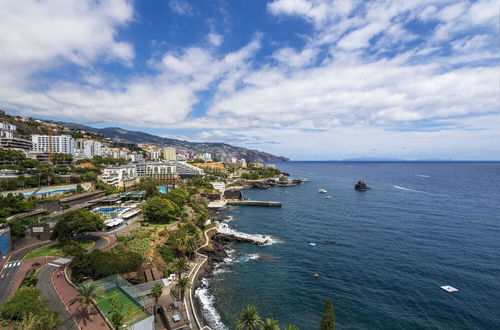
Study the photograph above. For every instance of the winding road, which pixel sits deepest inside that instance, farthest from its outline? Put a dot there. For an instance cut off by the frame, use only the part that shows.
(9, 270)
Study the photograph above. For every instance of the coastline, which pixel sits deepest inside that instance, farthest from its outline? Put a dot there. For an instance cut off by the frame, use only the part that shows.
(217, 253)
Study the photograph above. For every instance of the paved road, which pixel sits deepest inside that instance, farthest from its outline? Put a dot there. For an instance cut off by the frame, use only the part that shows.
(9, 271)
(50, 296)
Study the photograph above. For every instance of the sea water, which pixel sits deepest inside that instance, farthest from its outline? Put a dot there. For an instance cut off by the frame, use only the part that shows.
(422, 226)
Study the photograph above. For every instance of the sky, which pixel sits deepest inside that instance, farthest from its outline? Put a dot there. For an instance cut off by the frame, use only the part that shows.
(306, 79)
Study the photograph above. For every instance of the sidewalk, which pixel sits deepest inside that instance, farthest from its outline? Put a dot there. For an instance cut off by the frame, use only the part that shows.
(94, 321)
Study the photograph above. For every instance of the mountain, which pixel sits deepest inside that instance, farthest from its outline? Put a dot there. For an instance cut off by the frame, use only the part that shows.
(125, 136)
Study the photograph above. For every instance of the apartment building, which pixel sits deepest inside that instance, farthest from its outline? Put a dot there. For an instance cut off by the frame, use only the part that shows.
(169, 153)
(86, 148)
(63, 144)
(120, 176)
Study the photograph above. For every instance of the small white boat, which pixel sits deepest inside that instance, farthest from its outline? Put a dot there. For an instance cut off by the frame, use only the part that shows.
(449, 288)
(322, 191)
(328, 197)
(312, 244)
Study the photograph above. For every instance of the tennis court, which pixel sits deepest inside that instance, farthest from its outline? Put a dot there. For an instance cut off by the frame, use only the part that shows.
(131, 310)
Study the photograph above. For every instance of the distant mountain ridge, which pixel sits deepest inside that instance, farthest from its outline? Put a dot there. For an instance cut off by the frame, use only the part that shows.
(125, 136)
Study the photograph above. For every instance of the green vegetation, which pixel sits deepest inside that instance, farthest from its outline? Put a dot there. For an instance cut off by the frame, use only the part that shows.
(161, 210)
(137, 241)
(26, 305)
(14, 204)
(260, 173)
(182, 286)
(98, 264)
(100, 185)
(270, 324)
(87, 293)
(328, 318)
(249, 319)
(46, 321)
(76, 222)
(156, 292)
(114, 301)
(56, 249)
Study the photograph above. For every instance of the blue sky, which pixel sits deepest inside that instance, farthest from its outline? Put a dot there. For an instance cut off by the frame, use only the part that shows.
(308, 79)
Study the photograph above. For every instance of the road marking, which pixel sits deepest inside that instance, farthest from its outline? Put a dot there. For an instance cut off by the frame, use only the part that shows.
(51, 264)
(9, 265)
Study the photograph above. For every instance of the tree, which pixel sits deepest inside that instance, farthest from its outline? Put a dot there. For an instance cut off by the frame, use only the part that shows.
(61, 159)
(291, 327)
(182, 286)
(76, 222)
(87, 293)
(178, 265)
(270, 324)
(25, 301)
(45, 321)
(249, 319)
(149, 185)
(116, 313)
(160, 210)
(157, 291)
(191, 246)
(328, 318)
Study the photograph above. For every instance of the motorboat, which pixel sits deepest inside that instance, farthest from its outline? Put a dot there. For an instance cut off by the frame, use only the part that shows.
(322, 191)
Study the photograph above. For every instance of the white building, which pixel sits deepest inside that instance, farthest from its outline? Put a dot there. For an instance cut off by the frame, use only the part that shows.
(156, 170)
(219, 185)
(87, 148)
(63, 144)
(169, 153)
(136, 158)
(7, 130)
(120, 176)
(185, 169)
(154, 154)
(114, 152)
(207, 157)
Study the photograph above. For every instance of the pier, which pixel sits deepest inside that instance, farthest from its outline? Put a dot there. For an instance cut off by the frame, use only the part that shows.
(254, 203)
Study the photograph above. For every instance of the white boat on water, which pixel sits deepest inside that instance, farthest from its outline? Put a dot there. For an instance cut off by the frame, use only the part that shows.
(322, 191)
(328, 197)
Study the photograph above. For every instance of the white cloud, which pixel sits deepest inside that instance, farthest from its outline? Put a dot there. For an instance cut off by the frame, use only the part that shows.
(360, 71)
(181, 7)
(34, 34)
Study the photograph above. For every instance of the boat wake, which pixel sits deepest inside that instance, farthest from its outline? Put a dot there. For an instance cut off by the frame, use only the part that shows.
(207, 305)
(259, 239)
(417, 191)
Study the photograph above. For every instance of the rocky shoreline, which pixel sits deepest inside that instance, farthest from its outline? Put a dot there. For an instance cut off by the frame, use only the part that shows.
(216, 254)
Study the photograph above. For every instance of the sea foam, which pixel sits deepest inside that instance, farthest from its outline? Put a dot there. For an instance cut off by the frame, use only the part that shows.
(208, 309)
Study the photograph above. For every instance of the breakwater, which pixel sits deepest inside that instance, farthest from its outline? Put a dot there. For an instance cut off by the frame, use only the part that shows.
(254, 203)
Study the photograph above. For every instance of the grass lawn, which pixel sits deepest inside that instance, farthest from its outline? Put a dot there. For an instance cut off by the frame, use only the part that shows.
(54, 250)
(131, 311)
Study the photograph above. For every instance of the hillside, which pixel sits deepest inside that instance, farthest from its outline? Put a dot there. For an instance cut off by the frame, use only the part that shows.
(122, 135)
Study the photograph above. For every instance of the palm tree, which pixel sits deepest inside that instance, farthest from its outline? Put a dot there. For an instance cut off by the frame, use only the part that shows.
(270, 324)
(182, 286)
(191, 245)
(177, 266)
(86, 294)
(249, 319)
(291, 327)
(157, 292)
(181, 242)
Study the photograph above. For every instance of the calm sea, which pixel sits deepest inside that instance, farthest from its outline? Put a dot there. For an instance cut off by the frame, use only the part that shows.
(422, 226)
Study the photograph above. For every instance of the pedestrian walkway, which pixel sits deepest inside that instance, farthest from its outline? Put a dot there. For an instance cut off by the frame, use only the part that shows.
(93, 321)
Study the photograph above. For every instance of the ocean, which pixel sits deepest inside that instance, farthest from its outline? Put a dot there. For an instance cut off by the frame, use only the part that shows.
(422, 226)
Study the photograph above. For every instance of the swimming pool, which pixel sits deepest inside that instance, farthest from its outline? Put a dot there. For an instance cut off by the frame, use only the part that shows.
(48, 191)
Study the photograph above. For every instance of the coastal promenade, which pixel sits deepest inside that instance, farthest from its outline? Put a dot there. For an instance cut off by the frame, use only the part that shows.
(196, 321)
